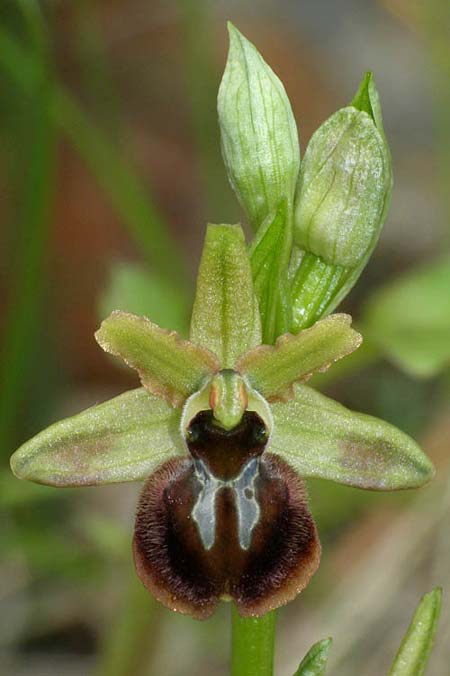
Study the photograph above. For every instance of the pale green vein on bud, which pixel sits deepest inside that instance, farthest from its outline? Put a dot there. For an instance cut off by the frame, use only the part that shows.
(413, 654)
(315, 661)
(225, 316)
(258, 131)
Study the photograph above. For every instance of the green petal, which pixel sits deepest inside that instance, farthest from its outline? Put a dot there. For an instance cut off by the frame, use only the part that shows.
(124, 439)
(273, 369)
(167, 365)
(320, 438)
(225, 317)
(315, 661)
(258, 131)
(413, 654)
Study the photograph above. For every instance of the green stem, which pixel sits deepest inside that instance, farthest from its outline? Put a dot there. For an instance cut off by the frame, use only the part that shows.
(252, 644)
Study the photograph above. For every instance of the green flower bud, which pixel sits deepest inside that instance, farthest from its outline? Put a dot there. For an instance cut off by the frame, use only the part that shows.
(258, 131)
(341, 203)
(343, 188)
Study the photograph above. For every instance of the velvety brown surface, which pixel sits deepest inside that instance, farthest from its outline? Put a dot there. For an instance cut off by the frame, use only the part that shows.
(182, 574)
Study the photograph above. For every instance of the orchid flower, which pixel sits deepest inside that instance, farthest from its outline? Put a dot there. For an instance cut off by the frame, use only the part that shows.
(223, 433)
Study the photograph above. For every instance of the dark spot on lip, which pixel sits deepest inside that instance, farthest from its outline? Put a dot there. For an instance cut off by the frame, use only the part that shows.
(182, 574)
(226, 451)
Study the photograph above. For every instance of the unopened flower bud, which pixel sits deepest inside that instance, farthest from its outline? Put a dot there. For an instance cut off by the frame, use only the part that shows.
(344, 185)
(258, 131)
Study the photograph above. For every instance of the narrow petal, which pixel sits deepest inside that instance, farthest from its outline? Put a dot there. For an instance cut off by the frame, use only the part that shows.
(123, 439)
(320, 438)
(225, 317)
(167, 365)
(272, 370)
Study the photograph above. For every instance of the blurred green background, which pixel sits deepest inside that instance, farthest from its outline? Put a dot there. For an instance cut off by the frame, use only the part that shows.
(110, 168)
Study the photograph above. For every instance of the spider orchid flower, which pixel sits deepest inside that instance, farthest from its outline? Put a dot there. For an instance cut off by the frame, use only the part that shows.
(223, 432)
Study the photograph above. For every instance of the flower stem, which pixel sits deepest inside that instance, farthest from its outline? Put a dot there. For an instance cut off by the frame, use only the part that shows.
(252, 644)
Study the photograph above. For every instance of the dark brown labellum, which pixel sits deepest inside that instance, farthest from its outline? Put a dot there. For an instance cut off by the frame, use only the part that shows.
(231, 522)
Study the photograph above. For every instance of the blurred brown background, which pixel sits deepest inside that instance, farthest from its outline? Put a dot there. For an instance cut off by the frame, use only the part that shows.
(104, 200)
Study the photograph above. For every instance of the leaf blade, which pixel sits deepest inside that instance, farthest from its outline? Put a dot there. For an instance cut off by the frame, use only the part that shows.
(315, 661)
(414, 651)
(410, 319)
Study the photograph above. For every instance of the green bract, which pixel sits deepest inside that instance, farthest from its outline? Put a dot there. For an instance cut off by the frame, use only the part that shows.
(259, 135)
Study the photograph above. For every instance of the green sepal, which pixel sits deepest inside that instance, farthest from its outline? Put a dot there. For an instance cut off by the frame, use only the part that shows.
(320, 438)
(413, 654)
(272, 370)
(123, 439)
(167, 365)
(269, 258)
(225, 317)
(342, 201)
(258, 131)
(315, 661)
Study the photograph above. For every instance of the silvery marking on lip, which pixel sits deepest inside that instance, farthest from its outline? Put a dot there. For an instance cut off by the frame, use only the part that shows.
(245, 500)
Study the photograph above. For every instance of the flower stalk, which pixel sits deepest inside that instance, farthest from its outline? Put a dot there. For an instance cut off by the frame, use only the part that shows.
(252, 644)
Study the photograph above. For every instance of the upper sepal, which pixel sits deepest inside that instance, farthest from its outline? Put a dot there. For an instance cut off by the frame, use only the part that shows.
(167, 365)
(321, 438)
(272, 370)
(225, 316)
(123, 439)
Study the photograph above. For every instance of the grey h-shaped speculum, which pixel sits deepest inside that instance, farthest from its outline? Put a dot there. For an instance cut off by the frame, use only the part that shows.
(247, 507)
